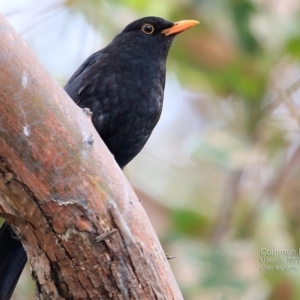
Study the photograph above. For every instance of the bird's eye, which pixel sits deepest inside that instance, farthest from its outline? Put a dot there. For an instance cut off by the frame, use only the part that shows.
(148, 29)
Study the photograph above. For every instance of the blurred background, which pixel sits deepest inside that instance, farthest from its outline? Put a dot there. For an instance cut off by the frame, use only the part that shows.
(219, 175)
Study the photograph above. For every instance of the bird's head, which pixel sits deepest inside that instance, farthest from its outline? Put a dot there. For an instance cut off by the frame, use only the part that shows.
(150, 35)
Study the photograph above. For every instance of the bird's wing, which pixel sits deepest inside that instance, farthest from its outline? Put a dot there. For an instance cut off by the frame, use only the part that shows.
(87, 63)
(94, 86)
(81, 78)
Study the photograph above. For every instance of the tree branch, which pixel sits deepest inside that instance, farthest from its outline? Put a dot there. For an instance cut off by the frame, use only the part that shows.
(62, 191)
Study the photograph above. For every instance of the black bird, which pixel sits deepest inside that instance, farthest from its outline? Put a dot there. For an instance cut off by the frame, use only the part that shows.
(123, 86)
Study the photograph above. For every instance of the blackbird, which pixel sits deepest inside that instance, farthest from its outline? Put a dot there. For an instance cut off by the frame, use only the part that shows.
(123, 86)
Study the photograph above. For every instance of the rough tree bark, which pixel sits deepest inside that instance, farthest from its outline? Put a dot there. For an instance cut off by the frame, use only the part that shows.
(85, 232)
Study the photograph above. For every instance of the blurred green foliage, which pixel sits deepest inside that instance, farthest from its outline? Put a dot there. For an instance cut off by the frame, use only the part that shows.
(188, 223)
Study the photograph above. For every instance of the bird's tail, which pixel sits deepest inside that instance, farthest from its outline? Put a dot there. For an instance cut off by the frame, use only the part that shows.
(12, 261)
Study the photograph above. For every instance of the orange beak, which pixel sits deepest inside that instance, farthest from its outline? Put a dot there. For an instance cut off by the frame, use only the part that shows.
(180, 27)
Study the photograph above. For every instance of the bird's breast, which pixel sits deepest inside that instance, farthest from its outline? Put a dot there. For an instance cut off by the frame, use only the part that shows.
(141, 90)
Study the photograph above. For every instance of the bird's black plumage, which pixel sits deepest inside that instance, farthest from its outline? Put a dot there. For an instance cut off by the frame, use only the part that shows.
(12, 261)
(123, 85)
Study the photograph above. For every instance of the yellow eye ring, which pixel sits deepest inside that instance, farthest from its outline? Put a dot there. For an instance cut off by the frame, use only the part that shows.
(147, 28)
